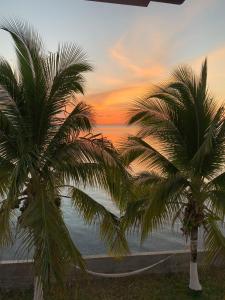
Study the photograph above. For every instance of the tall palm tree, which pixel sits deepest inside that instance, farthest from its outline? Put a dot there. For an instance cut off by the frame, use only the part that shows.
(181, 146)
(46, 144)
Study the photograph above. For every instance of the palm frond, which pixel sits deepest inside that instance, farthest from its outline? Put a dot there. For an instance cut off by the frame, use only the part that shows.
(165, 199)
(29, 50)
(64, 72)
(6, 237)
(156, 201)
(110, 227)
(9, 110)
(216, 201)
(139, 150)
(214, 241)
(8, 80)
(79, 120)
(43, 228)
(209, 157)
(110, 172)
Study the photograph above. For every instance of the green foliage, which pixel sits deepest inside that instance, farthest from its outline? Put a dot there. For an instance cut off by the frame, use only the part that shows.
(46, 143)
(181, 145)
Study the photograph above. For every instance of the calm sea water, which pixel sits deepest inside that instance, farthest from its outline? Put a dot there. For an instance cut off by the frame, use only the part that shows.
(87, 238)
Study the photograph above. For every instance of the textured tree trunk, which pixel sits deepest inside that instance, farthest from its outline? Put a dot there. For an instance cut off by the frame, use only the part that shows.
(194, 283)
(38, 290)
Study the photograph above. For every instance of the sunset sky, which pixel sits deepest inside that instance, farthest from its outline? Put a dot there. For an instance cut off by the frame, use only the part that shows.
(131, 48)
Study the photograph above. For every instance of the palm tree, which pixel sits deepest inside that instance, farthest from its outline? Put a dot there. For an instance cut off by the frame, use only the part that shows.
(180, 144)
(47, 144)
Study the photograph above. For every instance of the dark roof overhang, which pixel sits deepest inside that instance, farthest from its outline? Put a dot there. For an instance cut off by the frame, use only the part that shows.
(139, 2)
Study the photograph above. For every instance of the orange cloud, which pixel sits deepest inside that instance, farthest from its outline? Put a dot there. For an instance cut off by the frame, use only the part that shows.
(142, 56)
(129, 80)
(111, 107)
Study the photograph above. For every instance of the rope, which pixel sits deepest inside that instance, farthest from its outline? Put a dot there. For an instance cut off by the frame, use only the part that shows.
(119, 275)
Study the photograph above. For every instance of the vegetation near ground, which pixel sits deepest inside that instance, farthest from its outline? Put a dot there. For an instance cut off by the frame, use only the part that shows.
(145, 287)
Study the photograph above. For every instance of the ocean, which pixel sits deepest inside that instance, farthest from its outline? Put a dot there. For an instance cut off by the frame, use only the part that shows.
(87, 237)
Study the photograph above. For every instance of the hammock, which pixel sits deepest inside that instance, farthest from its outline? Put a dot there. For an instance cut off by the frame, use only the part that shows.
(131, 273)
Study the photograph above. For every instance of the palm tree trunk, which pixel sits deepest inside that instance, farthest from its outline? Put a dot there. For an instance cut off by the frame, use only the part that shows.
(194, 283)
(38, 290)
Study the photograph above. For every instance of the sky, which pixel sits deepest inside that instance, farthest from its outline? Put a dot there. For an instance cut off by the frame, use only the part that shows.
(131, 48)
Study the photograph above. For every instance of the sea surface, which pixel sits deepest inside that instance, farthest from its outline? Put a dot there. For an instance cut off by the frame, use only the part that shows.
(87, 237)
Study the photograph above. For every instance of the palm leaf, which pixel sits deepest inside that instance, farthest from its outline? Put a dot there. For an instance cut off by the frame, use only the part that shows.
(110, 228)
(214, 241)
(43, 228)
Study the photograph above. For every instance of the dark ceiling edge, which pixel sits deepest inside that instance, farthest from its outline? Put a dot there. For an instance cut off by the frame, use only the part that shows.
(143, 3)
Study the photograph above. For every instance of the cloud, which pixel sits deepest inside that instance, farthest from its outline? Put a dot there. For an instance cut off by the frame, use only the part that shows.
(132, 70)
(131, 77)
(119, 55)
(111, 107)
(145, 55)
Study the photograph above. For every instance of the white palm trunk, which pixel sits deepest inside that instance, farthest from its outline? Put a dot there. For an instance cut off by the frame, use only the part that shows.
(38, 290)
(194, 283)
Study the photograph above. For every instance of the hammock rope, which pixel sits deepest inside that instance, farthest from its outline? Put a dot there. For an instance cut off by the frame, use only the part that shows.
(127, 274)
